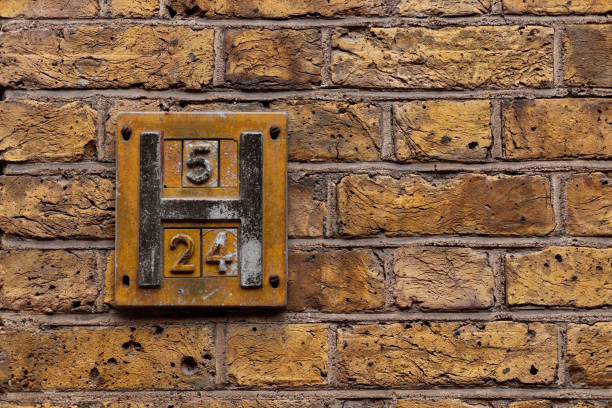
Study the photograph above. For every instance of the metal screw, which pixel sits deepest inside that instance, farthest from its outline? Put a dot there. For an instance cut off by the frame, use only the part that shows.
(126, 132)
(274, 281)
(275, 132)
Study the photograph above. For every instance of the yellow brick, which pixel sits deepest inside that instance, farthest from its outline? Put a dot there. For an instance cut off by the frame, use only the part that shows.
(558, 128)
(557, 7)
(587, 55)
(107, 57)
(276, 8)
(262, 58)
(442, 130)
(287, 355)
(49, 281)
(444, 403)
(560, 276)
(447, 353)
(306, 214)
(450, 57)
(128, 404)
(443, 7)
(48, 8)
(589, 204)
(530, 404)
(438, 278)
(57, 208)
(468, 203)
(135, 8)
(41, 131)
(258, 403)
(335, 281)
(588, 353)
(110, 358)
(332, 131)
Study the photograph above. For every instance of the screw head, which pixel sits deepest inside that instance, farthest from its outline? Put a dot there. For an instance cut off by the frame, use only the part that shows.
(126, 132)
(275, 132)
(274, 281)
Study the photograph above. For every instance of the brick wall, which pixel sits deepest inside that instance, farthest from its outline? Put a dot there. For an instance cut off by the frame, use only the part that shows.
(450, 202)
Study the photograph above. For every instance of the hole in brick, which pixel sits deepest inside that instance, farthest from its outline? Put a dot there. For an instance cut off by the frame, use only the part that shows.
(559, 258)
(76, 304)
(171, 11)
(125, 281)
(189, 366)
(473, 145)
(533, 370)
(207, 357)
(158, 331)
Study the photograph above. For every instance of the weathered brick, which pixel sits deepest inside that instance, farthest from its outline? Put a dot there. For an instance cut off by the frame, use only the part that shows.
(439, 278)
(589, 357)
(443, 403)
(466, 204)
(49, 281)
(258, 403)
(41, 131)
(276, 8)
(109, 358)
(135, 8)
(291, 355)
(262, 58)
(447, 353)
(556, 7)
(587, 55)
(530, 404)
(589, 204)
(335, 281)
(442, 130)
(450, 57)
(23, 404)
(332, 131)
(558, 128)
(128, 404)
(52, 207)
(306, 214)
(560, 276)
(443, 7)
(48, 8)
(107, 57)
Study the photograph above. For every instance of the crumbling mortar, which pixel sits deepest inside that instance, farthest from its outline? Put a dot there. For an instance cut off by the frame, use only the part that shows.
(558, 54)
(562, 373)
(496, 151)
(326, 77)
(299, 23)
(497, 263)
(220, 57)
(332, 368)
(387, 137)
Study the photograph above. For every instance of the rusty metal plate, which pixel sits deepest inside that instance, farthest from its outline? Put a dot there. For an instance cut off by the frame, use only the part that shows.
(201, 210)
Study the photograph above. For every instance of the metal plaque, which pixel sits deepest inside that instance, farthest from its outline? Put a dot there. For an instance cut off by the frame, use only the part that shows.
(201, 209)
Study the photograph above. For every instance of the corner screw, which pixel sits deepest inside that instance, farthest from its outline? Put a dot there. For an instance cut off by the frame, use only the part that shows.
(274, 281)
(126, 132)
(275, 132)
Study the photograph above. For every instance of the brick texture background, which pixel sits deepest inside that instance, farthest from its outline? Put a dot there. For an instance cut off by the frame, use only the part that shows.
(450, 202)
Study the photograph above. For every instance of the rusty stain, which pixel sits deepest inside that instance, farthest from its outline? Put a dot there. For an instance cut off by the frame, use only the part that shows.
(207, 285)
